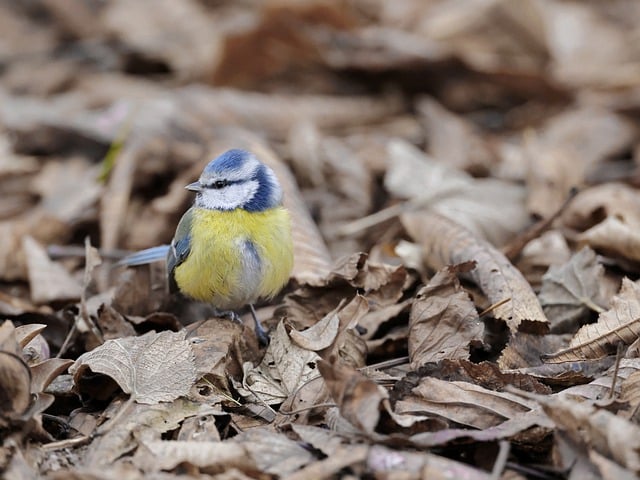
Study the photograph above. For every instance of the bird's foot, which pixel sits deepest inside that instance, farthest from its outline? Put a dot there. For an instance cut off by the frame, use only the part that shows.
(261, 334)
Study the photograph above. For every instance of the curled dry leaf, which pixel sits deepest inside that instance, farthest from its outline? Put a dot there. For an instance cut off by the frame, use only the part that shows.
(443, 320)
(608, 434)
(284, 369)
(491, 208)
(571, 290)
(445, 243)
(474, 406)
(359, 398)
(619, 324)
(614, 236)
(152, 368)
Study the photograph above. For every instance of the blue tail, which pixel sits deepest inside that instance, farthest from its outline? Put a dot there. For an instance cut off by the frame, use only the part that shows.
(149, 255)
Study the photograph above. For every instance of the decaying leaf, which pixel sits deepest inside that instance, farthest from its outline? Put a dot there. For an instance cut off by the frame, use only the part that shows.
(359, 399)
(284, 368)
(443, 321)
(572, 290)
(210, 457)
(152, 368)
(619, 324)
(492, 209)
(49, 281)
(608, 434)
(615, 236)
(446, 243)
(472, 406)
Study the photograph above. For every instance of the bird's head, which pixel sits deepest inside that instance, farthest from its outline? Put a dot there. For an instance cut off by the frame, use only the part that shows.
(237, 179)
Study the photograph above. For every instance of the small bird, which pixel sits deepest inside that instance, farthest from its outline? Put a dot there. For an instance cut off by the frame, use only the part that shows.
(234, 245)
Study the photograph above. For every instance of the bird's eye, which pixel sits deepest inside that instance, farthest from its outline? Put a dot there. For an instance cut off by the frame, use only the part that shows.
(220, 184)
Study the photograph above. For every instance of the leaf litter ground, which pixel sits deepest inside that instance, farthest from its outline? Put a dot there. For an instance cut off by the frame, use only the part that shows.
(462, 180)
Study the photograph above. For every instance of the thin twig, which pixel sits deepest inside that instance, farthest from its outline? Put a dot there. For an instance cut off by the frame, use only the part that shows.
(501, 460)
(616, 368)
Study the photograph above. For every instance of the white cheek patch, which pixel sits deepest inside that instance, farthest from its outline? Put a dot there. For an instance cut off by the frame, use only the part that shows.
(227, 198)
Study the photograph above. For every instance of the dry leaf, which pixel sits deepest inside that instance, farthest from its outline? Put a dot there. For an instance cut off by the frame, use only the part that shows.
(619, 324)
(491, 208)
(284, 369)
(452, 140)
(462, 403)
(49, 281)
(359, 399)
(614, 236)
(570, 291)
(210, 457)
(273, 452)
(152, 368)
(443, 321)
(413, 465)
(599, 429)
(446, 243)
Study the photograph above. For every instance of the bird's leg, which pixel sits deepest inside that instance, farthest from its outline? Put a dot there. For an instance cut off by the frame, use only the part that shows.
(261, 334)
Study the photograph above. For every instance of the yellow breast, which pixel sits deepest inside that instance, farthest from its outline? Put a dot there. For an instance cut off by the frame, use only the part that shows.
(236, 256)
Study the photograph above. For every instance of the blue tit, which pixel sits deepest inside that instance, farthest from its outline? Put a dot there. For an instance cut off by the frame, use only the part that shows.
(234, 245)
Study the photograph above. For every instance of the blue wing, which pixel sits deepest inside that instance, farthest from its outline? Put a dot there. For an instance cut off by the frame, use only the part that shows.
(180, 247)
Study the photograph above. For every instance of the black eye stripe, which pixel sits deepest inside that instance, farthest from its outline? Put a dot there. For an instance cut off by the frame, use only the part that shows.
(218, 184)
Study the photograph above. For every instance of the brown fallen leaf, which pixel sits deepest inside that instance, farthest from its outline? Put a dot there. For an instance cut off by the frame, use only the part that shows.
(274, 452)
(363, 404)
(619, 324)
(284, 369)
(594, 204)
(414, 465)
(443, 322)
(358, 398)
(143, 422)
(610, 435)
(445, 242)
(453, 140)
(570, 291)
(614, 236)
(462, 403)
(491, 208)
(152, 368)
(207, 457)
(48, 280)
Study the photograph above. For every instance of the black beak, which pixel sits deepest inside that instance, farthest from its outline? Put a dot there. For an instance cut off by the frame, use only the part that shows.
(194, 187)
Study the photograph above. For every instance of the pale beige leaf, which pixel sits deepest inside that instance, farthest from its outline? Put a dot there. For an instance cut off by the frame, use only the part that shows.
(443, 320)
(571, 290)
(274, 452)
(318, 336)
(391, 463)
(168, 454)
(48, 280)
(284, 368)
(447, 243)
(25, 333)
(619, 324)
(152, 368)
(463, 403)
(614, 236)
(491, 208)
(146, 422)
(607, 433)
